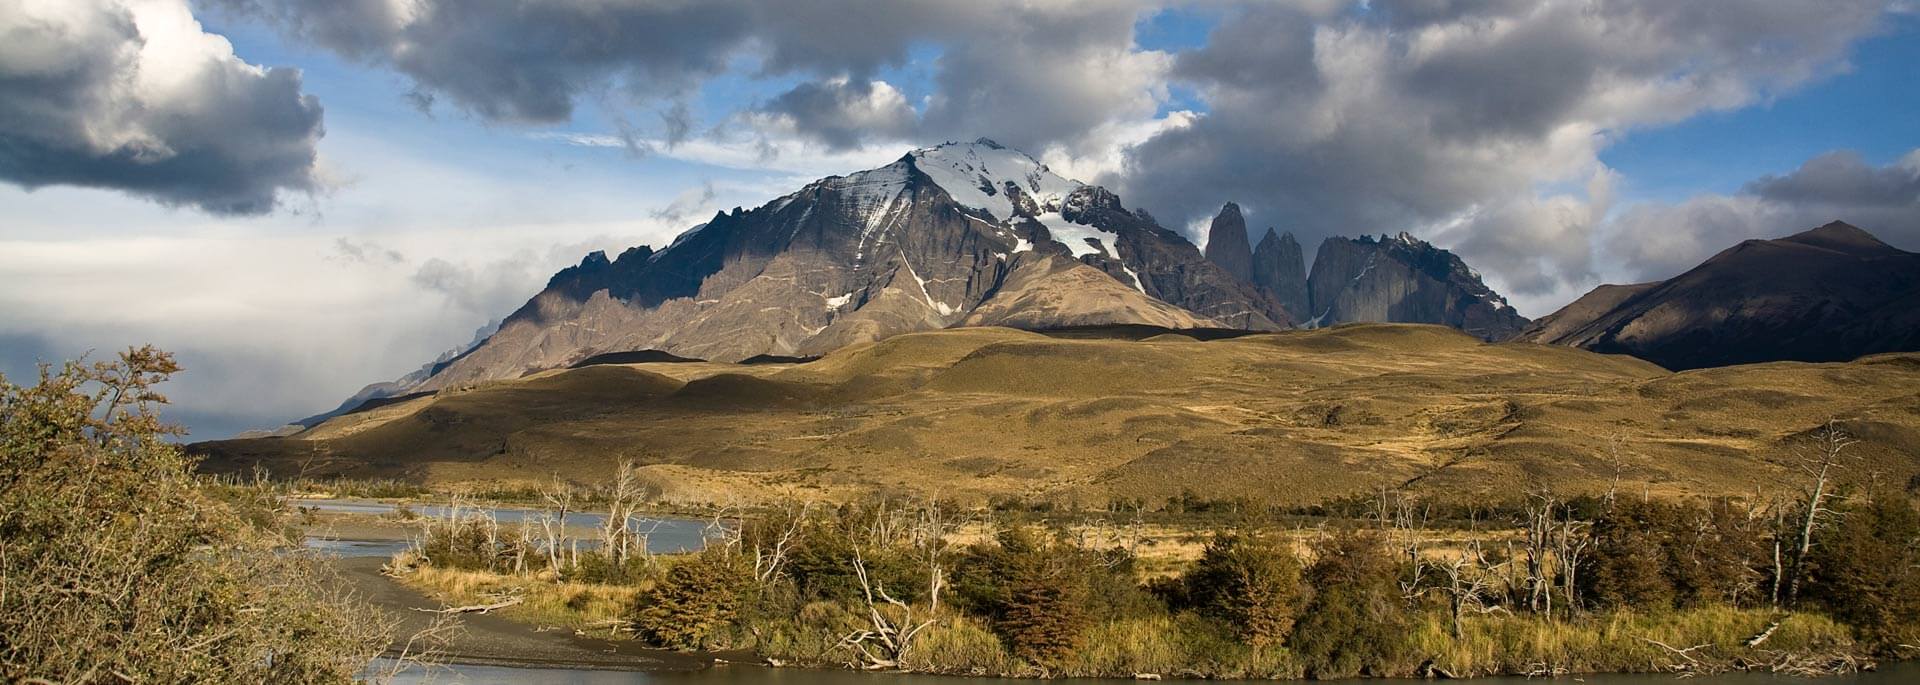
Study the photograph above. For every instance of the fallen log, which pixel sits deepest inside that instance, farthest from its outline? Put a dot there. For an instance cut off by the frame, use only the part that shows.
(474, 608)
(1764, 634)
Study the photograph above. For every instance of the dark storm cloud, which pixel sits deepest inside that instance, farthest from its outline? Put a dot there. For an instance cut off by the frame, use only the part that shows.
(1475, 124)
(99, 95)
(1843, 179)
(1659, 240)
(511, 60)
(1031, 73)
(844, 114)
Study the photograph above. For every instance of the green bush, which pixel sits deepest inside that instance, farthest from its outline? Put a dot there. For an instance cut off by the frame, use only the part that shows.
(1662, 555)
(1250, 584)
(1037, 596)
(1863, 570)
(1357, 623)
(116, 565)
(598, 567)
(695, 603)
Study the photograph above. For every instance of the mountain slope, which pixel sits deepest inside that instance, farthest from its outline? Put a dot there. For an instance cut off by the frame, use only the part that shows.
(1295, 417)
(1404, 279)
(1832, 293)
(927, 242)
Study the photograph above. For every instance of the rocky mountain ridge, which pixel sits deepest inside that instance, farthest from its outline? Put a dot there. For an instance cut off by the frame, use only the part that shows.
(1832, 293)
(1395, 279)
(961, 234)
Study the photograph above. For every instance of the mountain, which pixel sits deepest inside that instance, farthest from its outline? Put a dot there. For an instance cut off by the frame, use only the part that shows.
(1294, 417)
(1281, 269)
(1833, 293)
(1404, 279)
(1359, 280)
(961, 234)
(1227, 243)
(374, 393)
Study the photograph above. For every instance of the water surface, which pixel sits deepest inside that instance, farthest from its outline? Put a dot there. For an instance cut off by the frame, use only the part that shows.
(665, 535)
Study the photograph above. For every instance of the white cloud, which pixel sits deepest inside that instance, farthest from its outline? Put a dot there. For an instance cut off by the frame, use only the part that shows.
(133, 95)
(1478, 124)
(1658, 240)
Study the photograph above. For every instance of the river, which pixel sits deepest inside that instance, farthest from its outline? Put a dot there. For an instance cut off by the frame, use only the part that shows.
(665, 535)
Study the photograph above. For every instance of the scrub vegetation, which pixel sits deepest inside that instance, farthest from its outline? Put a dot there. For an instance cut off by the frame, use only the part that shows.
(117, 564)
(1826, 582)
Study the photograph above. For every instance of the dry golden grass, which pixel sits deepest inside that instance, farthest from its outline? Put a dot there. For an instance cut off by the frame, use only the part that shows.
(1290, 418)
(583, 606)
(1621, 642)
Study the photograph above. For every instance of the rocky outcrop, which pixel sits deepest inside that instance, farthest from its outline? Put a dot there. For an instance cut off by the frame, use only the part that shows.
(1280, 268)
(958, 234)
(1403, 279)
(1833, 293)
(1227, 243)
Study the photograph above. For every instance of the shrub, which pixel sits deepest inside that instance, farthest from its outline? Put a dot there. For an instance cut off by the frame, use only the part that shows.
(693, 605)
(597, 566)
(1248, 583)
(1662, 555)
(115, 564)
(1719, 555)
(1863, 570)
(819, 549)
(469, 542)
(1034, 594)
(1627, 566)
(1356, 623)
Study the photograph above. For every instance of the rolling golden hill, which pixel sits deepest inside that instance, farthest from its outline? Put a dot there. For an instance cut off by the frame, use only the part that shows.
(1291, 417)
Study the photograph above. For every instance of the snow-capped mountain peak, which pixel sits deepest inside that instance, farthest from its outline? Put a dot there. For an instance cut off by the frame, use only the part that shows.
(976, 175)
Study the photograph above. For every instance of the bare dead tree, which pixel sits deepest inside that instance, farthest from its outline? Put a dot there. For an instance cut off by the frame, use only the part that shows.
(771, 550)
(892, 625)
(1616, 453)
(624, 495)
(932, 535)
(1779, 552)
(1539, 527)
(558, 498)
(1405, 521)
(525, 539)
(1570, 542)
(1469, 579)
(1827, 457)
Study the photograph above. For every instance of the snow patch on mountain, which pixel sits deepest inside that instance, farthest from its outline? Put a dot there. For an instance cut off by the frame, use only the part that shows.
(1081, 239)
(975, 175)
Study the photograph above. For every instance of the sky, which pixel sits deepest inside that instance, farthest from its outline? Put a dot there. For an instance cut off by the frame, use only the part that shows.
(300, 197)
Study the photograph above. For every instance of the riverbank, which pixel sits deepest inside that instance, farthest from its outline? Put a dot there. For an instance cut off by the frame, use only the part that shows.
(493, 638)
(1701, 642)
(1642, 587)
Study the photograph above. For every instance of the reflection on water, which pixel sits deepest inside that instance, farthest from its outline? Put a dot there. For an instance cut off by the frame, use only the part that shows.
(664, 535)
(357, 548)
(751, 675)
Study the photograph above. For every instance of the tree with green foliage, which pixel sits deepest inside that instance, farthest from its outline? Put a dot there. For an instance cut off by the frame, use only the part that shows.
(1718, 555)
(1035, 594)
(1664, 555)
(1357, 623)
(695, 603)
(1865, 569)
(118, 565)
(1627, 565)
(1249, 583)
(1044, 616)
